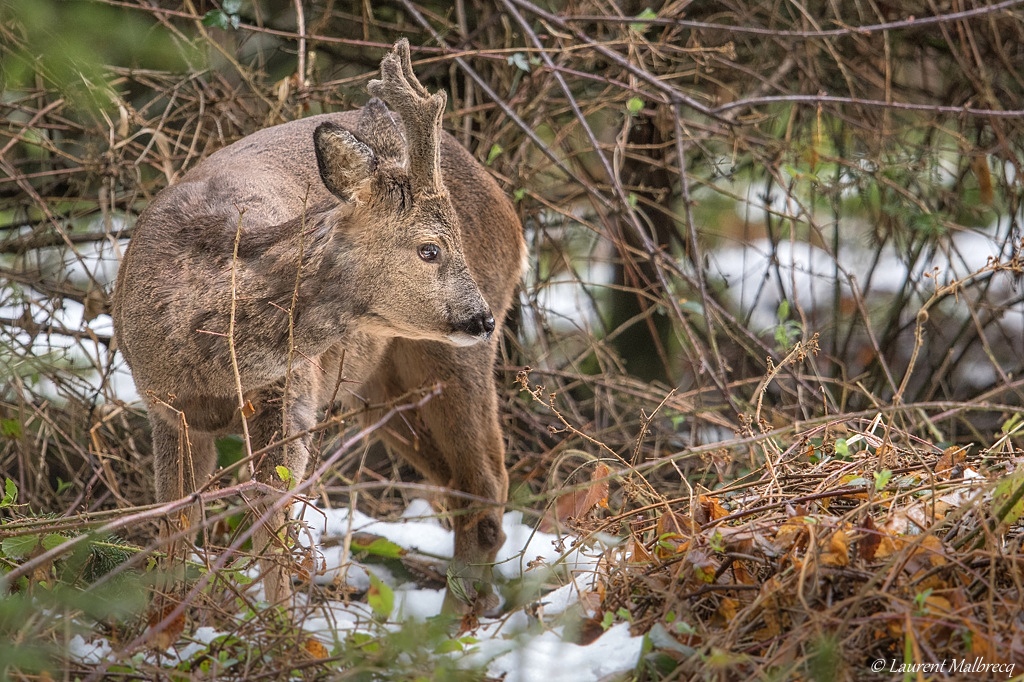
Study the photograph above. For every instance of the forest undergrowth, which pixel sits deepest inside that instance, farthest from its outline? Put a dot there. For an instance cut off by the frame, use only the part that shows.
(764, 368)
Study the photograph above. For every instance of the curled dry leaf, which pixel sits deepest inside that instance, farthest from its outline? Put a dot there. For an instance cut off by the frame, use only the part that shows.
(838, 550)
(674, 533)
(791, 533)
(577, 503)
(712, 507)
(867, 544)
(158, 637)
(638, 554)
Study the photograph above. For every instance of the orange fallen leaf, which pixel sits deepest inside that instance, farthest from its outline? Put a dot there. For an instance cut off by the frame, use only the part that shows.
(727, 609)
(838, 553)
(790, 533)
(167, 635)
(674, 532)
(315, 648)
(577, 503)
(713, 508)
(248, 409)
(638, 553)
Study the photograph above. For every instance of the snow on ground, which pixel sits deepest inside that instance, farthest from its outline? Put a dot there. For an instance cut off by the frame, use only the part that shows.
(515, 646)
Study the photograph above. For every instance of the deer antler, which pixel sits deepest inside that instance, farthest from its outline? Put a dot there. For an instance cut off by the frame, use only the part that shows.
(421, 116)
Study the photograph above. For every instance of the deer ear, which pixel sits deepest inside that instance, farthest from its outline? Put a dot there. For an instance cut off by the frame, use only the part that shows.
(344, 160)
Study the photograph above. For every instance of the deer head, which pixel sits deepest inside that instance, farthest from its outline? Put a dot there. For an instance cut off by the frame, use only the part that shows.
(398, 213)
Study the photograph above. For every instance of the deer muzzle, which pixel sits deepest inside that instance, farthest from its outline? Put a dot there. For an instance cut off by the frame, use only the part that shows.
(472, 330)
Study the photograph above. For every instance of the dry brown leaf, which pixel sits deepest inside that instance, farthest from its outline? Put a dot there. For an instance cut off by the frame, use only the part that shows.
(166, 636)
(741, 574)
(727, 610)
(888, 545)
(671, 523)
(870, 538)
(981, 644)
(951, 462)
(674, 533)
(938, 605)
(576, 504)
(791, 532)
(979, 164)
(838, 553)
(638, 553)
(712, 507)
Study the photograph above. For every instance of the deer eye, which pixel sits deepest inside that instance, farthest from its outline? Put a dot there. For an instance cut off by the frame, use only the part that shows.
(429, 252)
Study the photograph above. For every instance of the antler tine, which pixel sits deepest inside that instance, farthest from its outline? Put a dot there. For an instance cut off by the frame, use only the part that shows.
(421, 115)
(405, 57)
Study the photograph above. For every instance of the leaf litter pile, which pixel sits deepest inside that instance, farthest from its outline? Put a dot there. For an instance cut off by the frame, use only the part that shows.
(857, 545)
(851, 549)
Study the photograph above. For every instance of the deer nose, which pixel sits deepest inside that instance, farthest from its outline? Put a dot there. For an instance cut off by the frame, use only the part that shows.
(480, 325)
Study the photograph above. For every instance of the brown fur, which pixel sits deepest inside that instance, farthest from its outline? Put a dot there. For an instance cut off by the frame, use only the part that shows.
(357, 201)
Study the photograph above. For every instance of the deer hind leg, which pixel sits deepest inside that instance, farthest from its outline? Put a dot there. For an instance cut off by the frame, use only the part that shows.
(455, 441)
(275, 421)
(184, 459)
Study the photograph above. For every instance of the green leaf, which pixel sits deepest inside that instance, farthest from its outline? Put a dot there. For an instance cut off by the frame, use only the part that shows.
(496, 150)
(19, 546)
(10, 493)
(381, 547)
(1011, 424)
(230, 450)
(62, 486)
(519, 194)
(10, 428)
(51, 540)
(607, 620)
(881, 478)
(449, 646)
(381, 598)
(216, 19)
(641, 26)
(284, 473)
(717, 542)
(1008, 498)
(782, 312)
(634, 105)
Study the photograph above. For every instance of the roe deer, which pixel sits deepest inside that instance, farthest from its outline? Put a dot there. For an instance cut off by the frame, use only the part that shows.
(364, 255)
